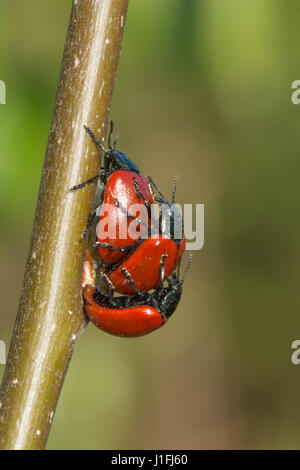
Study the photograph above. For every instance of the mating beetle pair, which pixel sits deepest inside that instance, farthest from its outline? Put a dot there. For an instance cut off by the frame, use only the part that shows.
(126, 315)
(131, 266)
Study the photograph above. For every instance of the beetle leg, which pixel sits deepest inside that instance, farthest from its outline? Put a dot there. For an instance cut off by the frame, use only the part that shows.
(130, 280)
(162, 266)
(108, 282)
(141, 196)
(88, 225)
(125, 211)
(157, 306)
(108, 297)
(188, 265)
(84, 183)
(123, 249)
(100, 292)
(160, 199)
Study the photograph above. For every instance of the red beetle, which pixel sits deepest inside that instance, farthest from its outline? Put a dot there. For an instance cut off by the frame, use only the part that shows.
(130, 316)
(114, 161)
(123, 190)
(136, 320)
(142, 270)
(150, 264)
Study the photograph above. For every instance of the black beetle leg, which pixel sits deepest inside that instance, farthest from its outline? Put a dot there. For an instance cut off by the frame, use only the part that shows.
(162, 198)
(141, 196)
(84, 183)
(109, 284)
(130, 280)
(140, 221)
(88, 225)
(123, 249)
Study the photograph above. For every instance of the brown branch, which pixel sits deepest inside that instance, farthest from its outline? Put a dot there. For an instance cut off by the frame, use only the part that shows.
(50, 316)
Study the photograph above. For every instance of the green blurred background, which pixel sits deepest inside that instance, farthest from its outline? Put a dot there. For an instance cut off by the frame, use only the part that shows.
(203, 89)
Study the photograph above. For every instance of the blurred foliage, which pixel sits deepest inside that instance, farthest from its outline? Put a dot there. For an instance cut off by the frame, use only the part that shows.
(203, 90)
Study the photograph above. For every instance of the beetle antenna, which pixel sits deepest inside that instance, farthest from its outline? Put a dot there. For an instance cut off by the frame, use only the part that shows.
(178, 265)
(110, 135)
(95, 139)
(153, 186)
(175, 184)
(116, 139)
(186, 269)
